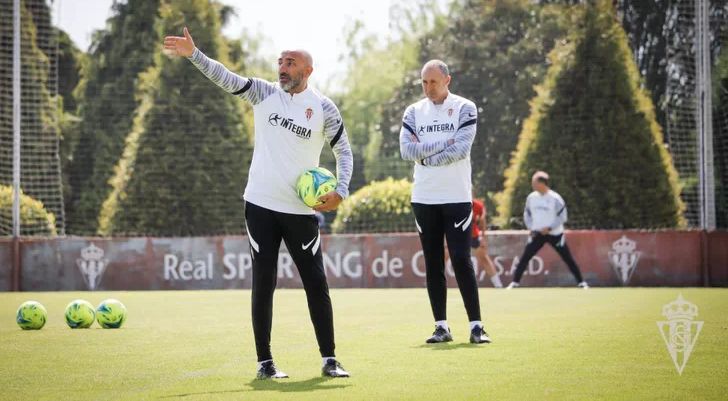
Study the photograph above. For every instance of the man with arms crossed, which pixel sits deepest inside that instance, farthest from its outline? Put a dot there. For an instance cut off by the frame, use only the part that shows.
(437, 134)
(292, 122)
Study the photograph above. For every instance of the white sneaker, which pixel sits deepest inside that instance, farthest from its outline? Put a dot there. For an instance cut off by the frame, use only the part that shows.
(583, 285)
(512, 285)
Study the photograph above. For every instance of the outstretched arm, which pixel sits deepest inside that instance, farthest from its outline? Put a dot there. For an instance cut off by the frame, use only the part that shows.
(251, 89)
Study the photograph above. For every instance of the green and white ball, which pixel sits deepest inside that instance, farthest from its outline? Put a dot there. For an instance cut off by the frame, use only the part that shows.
(314, 183)
(31, 316)
(111, 314)
(80, 314)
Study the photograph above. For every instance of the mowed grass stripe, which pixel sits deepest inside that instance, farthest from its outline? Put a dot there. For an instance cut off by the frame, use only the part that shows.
(557, 343)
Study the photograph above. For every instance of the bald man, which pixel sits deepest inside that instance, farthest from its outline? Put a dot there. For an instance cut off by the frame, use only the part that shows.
(437, 134)
(292, 123)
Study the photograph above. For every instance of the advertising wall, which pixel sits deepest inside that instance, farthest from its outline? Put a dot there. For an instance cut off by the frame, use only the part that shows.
(606, 258)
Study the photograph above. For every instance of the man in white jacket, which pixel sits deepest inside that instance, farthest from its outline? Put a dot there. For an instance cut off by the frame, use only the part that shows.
(437, 135)
(293, 121)
(545, 215)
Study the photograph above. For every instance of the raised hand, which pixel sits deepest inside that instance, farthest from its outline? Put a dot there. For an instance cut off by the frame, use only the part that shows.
(180, 45)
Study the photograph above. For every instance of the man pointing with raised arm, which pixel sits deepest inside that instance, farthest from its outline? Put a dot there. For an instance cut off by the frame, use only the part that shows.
(292, 123)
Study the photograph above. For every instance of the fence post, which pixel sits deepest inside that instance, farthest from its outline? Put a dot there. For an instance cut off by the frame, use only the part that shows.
(16, 145)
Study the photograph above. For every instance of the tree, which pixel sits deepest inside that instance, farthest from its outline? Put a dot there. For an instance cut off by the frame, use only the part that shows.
(646, 25)
(70, 59)
(35, 219)
(185, 161)
(69, 66)
(594, 129)
(107, 100)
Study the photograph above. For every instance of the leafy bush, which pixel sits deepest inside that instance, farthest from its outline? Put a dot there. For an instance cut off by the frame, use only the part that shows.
(380, 207)
(34, 218)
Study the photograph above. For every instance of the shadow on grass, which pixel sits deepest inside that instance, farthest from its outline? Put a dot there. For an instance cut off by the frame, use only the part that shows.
(286, 386)
(282, 385)
(449, 346)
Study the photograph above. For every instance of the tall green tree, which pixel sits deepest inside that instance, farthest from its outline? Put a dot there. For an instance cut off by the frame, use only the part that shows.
(69, 70)
(70, 59)
(594, 129)
(185, 161)
(107, 97)
(646, 25)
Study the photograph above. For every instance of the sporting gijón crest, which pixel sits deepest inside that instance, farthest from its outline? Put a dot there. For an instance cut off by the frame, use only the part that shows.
(624, 257)
(92, 265)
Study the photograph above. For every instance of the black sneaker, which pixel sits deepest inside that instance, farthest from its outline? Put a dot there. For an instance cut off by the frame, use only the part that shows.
(333, 369)
(268, 370)
(440, 335)
(479, 336)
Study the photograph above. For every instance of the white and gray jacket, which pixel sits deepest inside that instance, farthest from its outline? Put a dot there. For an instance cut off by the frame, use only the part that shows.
(290, 131)
(442, 172)
(545, 210)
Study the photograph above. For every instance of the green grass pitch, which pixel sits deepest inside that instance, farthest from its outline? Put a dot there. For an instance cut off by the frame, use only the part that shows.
(549, 344)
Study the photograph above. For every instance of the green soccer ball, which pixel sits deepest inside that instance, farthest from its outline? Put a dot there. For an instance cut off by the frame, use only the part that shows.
(314, 183)
(80, 314)
(111, 314)
(31, 316)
